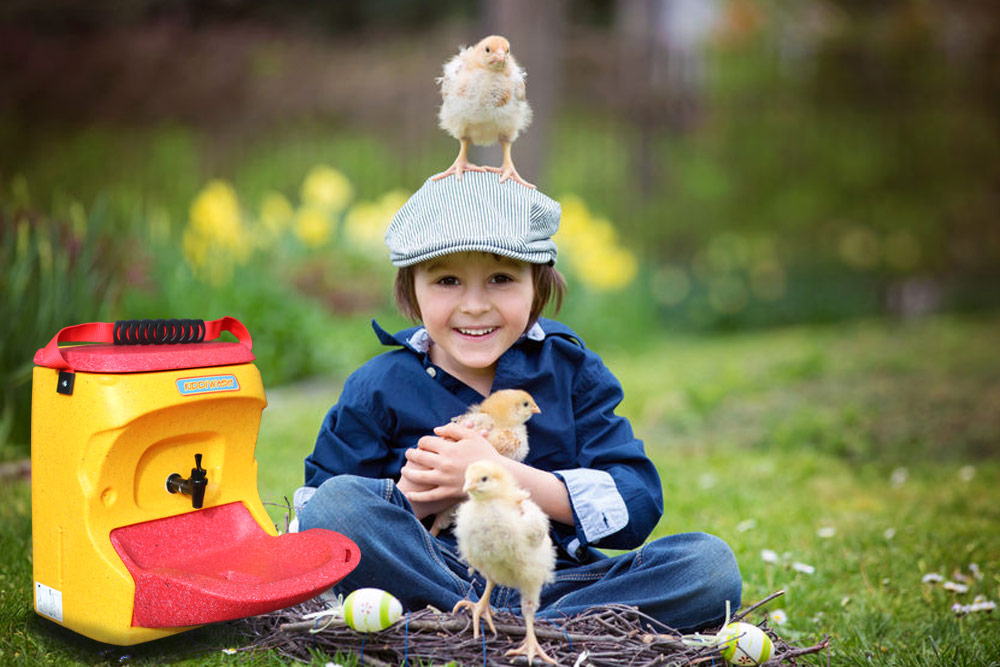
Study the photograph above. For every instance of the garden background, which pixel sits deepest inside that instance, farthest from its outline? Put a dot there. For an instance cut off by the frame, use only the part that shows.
(779, 229)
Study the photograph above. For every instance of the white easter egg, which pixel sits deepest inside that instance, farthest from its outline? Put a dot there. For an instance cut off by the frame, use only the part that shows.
(744, 644)
(371, 610)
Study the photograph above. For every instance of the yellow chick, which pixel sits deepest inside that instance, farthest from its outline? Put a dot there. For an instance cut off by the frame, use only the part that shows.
(502, 415)
(482, 102)
(505, 537)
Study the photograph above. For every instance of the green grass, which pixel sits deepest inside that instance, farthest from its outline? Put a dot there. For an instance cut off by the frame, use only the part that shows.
(762, 438)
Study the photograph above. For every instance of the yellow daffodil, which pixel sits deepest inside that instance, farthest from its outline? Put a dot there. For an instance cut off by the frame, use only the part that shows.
(313, 226)
(591, 248)
(367, 221)
(275, 214)
(326, 188)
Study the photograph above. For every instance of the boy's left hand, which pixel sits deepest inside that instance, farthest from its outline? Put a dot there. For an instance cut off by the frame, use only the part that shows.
(439, 461)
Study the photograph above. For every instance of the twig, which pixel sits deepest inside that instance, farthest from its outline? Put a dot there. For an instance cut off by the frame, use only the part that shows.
(743, 614)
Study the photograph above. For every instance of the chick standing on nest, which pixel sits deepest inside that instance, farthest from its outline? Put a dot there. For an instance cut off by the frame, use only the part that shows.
(483, 102)
(502, 415)
(505, 537)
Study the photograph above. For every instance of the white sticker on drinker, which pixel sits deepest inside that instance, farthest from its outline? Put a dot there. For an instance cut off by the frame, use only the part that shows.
(48, 601)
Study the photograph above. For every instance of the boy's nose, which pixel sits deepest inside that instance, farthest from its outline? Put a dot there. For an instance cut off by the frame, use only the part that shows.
(474, 301)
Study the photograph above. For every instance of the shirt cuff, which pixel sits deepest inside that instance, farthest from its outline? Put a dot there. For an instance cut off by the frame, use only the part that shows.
(598, 506)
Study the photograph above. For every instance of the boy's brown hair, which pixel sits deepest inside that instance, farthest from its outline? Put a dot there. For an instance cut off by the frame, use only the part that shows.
(549, 284)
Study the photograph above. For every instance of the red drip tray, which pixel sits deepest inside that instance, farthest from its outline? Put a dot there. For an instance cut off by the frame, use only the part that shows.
(217, 564)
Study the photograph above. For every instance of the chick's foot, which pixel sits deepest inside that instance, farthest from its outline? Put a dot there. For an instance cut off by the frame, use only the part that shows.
(479, 609)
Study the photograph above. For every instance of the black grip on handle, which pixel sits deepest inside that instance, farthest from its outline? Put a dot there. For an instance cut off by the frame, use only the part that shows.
(158, 332)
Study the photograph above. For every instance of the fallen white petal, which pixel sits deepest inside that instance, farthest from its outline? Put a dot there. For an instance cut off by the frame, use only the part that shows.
(957, 588)
(803, 568)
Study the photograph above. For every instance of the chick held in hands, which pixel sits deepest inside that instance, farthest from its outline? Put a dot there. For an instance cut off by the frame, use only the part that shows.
(483, 102)
(501, 418)
(504, 536)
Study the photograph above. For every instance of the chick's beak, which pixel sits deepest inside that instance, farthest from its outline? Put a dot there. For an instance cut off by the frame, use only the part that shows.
(535, 410)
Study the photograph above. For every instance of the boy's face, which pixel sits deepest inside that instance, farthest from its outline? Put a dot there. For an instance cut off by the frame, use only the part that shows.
(474, 306)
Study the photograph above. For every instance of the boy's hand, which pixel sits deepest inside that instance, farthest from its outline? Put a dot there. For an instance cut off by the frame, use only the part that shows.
(435, 469)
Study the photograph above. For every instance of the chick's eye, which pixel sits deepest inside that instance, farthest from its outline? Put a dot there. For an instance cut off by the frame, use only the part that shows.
(525, 404)
(487, 49)
(484, 478)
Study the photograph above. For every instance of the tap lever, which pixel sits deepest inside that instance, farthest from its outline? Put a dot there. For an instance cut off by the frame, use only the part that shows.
(194, 486)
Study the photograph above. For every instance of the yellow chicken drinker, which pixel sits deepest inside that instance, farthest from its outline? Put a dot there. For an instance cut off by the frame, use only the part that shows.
(146, 520)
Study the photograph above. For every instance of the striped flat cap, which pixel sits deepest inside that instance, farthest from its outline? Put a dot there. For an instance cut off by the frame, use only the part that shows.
(477, 213)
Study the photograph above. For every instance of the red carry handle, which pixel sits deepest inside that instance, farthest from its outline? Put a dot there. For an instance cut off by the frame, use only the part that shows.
(133, 332)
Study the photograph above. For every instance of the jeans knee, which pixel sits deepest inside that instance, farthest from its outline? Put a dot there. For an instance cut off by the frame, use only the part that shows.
(340, 503)
(721, 568)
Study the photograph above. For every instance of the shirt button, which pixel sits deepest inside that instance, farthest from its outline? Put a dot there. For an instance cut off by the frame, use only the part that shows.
(432, 371)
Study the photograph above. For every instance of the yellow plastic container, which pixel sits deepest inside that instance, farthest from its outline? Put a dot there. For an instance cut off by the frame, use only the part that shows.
(100, 460)
(146, 518)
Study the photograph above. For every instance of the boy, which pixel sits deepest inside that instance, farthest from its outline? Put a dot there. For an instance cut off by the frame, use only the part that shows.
(476, 268)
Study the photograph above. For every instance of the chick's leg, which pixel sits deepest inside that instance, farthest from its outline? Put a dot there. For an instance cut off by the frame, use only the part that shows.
(461, 162)
(507, 169)
(530, 647)
(481, 608)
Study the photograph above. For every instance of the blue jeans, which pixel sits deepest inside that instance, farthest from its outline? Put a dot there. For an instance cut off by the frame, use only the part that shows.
(681, 580)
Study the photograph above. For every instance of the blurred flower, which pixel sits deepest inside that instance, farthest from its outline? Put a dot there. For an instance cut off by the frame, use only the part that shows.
(769, 556)
(932, 578)
(670, 285)
(744, 526)
(826, 532)
(979, 604)
(275, 214)
(889, 533)
(976, 572)
(859, 248)
(955, 587)
(590, 247)
(367, 221)
(966, 473)
(803, 568)
(215, 217)
(778, 617)
(899, 477)
(215, 238)
(326, 188)
(313, 226)
(707, 480)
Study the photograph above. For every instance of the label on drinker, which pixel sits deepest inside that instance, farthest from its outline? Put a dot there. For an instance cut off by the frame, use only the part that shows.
(207, 384)
(48, 601)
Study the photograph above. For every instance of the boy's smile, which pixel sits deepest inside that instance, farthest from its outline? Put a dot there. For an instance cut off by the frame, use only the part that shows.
(474, 306)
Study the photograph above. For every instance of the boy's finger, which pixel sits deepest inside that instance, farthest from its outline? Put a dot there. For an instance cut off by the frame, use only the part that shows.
(454, 431)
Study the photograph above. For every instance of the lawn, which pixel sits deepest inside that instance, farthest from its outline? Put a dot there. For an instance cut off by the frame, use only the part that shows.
(842, 463)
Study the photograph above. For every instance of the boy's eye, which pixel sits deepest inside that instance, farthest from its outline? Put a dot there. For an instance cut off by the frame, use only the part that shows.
(501, 278)
(447, 280)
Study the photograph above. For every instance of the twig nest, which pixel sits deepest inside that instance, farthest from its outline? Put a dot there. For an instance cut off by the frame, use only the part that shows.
(371, 610)
(744, 644)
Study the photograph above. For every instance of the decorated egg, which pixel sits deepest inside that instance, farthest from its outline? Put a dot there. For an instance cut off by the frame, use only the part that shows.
(371, 610)
(744, 644)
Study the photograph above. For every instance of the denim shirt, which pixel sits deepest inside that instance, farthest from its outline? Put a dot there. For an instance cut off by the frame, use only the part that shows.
(399, 396)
